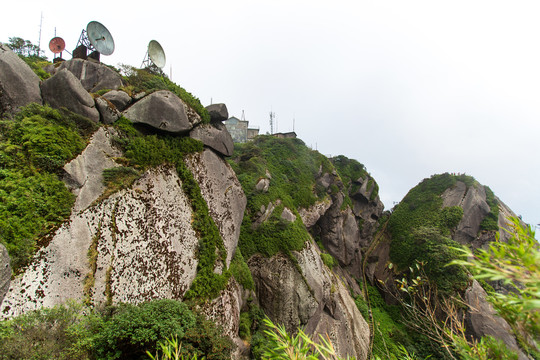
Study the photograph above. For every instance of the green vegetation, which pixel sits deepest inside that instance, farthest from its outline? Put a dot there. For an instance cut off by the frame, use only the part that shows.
(420, 230)
(517, 264)
(148, 81)
(142, 152)
(240, 270)
(491, 221)
(293, 168)
(120, 332)
(328, 260)
(34, 146)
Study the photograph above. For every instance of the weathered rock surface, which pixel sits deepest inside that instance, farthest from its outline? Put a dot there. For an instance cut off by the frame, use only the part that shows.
(65, 90)
(19, 85)
(118, 98)
(93, 76)
(481, 319)
(314, 298)
(340, 235)
(223, 194)
(163, 110)
(214, 136)
(288, 215)
(311, 215)
(146, 249)
(107, 111)
(5, 272)
(224, 310)
(84, 174)
(367, 209)
(218, 112)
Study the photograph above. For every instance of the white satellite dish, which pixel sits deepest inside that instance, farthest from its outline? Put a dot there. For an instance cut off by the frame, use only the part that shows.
(100, 38)
(155, 56)
(95, 38)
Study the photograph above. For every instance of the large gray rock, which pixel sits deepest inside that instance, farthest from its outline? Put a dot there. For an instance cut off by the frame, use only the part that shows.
(93, 76)
(84, 174)
(5, 272)
(475, 208)
(223, 194)
(218, 112)
(65, 90)
(481, 319)
(19, 85)
(108, 112)
(314, 298)
(163, 110)
(118, 98)
(214, 136)
(340, 235)
(145, 248)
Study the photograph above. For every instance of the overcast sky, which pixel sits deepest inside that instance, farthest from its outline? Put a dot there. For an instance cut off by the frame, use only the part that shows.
(408, 88)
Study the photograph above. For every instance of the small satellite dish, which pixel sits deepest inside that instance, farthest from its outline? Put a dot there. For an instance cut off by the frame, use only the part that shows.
(100, 38)
(155, 56)
(57, 45)
(95, 38)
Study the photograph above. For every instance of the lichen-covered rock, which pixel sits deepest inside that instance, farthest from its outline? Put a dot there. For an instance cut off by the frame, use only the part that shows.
(19, 85)
(223, 194)
(93, 76)
(118, 98)
(164, 111)
(107, 111)
(5, 272)
(218, 112)
(314, 298)
(215, 136)
(65, 90)
(134, 246)
(481, 319)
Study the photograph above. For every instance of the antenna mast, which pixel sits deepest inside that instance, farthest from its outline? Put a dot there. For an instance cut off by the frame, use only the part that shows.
(39, 40)
(272, 117)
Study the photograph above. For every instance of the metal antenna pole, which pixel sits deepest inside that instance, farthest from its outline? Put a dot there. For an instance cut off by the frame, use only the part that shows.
(39, 40)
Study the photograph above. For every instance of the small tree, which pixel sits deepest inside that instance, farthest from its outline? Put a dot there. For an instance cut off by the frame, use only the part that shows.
(24, 47)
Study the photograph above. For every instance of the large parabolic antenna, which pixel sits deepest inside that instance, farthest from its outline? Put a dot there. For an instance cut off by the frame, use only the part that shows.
(155, 56)
(97, 39)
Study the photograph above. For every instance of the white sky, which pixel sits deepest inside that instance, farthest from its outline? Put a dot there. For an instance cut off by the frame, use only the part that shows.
(408, 88)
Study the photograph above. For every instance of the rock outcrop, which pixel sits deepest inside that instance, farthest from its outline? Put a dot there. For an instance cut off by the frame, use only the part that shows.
(93, 76)
(19, 85)
(120, 99)
(5, 272)
(215, 136)
(223, 194)
(135, 246)
(65, 90)
(217, 112)
(313, 297)
(482, 320)
(107, 111)
(163, 111)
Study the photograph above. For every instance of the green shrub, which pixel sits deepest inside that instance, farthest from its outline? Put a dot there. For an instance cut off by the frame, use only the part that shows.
(240, 271)
(328, 260)
(132, 329)
(491, 221)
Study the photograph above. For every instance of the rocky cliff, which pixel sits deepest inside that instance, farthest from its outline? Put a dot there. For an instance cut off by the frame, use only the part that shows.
(155, 202)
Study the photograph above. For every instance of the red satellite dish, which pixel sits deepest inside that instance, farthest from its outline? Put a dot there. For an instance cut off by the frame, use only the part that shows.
(57, 45)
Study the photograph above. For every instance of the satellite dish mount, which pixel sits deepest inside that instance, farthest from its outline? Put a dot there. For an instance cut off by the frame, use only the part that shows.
(154, 59)
(96, 39)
